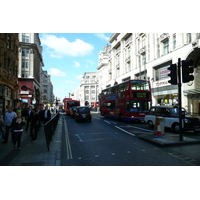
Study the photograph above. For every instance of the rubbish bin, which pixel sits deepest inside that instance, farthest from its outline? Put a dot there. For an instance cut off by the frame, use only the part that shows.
(159, 128)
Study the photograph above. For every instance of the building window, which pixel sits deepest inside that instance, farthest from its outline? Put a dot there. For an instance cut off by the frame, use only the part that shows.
(174, 41)
(143, 41)
(158, 51)
(25, 52)
(25, 75)
(25, 63)
(25, 37)
(87, 77)
(8, 41)
(189, 37)
(166, 47)
(144, 59)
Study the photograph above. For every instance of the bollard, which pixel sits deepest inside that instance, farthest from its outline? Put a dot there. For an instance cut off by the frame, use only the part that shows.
(159, 127)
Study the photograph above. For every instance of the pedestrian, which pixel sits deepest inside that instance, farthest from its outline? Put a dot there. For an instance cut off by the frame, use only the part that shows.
(34, 125)
(46, 115)
(28, 116)
(2, 125)
(40, 114)
(9, 116)
(17, 128)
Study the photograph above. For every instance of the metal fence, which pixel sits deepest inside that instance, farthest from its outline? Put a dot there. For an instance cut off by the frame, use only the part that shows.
(49, 129)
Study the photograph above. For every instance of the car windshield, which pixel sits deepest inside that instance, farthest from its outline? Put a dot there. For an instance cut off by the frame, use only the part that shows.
(175, 111)
(84, 110)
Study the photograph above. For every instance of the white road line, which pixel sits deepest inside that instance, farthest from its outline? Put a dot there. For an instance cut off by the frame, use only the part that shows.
(125, 131)
(79, 138)
(96, 118)
(142, 129)
(107, 122)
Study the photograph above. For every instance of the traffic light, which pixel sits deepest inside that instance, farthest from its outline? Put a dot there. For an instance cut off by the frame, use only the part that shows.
(187, 69)
(173, 74)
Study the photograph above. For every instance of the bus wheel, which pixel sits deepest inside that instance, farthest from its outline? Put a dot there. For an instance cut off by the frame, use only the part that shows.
(105, 115)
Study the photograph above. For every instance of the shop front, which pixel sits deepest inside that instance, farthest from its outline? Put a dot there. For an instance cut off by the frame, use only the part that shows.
(164, 94)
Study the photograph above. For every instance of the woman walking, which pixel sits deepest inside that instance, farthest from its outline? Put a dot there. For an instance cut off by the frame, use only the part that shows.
(17, 128)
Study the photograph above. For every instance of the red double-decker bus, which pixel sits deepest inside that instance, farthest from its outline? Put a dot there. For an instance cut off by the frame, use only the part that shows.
(128, 101)
(65, 100)
(70, 104)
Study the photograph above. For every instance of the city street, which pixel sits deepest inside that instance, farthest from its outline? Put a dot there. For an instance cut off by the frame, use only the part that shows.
(102, 142)
(107, 142)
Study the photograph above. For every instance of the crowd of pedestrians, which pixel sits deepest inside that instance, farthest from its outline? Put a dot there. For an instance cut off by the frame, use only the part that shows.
(15, 122)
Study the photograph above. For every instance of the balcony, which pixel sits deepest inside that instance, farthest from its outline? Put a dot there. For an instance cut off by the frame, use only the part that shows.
(117, 66)
(163, 37)
(142, 50)
(128, 59)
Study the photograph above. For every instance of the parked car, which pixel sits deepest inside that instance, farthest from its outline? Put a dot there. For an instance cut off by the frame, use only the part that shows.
(83, 113)
(171, 115)
(72, 111)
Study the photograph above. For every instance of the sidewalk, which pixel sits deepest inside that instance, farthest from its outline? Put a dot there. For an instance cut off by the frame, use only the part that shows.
(33, 154)
(170, 139)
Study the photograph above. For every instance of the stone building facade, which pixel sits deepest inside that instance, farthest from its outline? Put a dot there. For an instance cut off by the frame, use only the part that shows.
(47, 96)
(8, 70)
(88, 90)
(30, 69)
(147, 56)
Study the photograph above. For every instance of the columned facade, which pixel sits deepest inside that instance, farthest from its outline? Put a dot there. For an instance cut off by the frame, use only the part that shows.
(88, 90)
(30, 69)
(147, 56)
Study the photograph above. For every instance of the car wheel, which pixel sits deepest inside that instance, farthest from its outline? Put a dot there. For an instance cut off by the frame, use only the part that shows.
(150, 123)
(176, 128)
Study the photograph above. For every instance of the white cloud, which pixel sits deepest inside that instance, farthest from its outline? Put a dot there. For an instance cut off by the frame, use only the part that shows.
(68, 81)
(60, 46)
(79, 77)
(90, 62)
(56, 72)
(76, 64)
(102, 36)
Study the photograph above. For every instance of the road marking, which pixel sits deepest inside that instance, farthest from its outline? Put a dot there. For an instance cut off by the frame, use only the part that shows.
(68, 146)
(141, 128)
(107, 122)
(125, 131)
(79, 138)
(96, 118)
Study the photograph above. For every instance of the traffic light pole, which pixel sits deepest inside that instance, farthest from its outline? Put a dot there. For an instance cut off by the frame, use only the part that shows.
(180, 100)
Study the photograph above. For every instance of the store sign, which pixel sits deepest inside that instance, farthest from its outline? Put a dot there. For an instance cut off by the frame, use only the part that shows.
(24, 92)
(161, 83)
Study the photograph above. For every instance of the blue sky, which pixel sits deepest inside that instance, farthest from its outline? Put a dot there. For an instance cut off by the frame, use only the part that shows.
(67, 56)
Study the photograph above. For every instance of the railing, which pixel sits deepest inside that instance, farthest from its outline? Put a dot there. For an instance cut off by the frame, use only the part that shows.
(49, 129)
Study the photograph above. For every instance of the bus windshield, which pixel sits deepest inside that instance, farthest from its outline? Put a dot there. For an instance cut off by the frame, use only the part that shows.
(73, 103)
(139, 85)
(139, 106)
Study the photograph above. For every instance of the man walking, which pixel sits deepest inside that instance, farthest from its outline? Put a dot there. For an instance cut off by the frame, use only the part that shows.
(9, 116)
(28, 116)
(46, 115)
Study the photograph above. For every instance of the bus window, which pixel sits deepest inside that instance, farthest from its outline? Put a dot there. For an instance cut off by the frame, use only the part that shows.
(125, 86)
(110, 106)
(126, 106)
(139, 85)
(121, 89)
